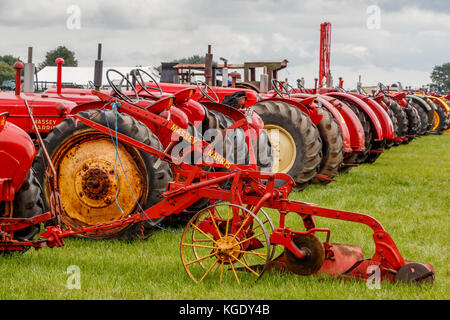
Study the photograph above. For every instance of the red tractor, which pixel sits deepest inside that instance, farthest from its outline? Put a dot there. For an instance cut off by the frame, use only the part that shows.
(20, 193)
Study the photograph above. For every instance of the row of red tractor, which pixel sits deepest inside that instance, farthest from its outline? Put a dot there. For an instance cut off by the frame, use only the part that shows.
(113, 156)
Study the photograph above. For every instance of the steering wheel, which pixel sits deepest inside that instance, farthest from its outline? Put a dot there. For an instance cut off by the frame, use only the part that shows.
(137, 75)
(301, 86)
(204, 87)
(118, 89)
(360, 90)
(382, 87)
(277, 85)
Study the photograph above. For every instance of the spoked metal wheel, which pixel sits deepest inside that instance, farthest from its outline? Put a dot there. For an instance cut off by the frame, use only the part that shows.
(224, 239)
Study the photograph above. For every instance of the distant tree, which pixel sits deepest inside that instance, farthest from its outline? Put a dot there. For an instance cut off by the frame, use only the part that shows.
(9, 59)
(7, 72)
(195, 59)
(60, 52)
(441, 77)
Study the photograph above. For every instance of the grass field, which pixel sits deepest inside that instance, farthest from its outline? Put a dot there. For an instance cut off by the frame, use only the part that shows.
(407, 190)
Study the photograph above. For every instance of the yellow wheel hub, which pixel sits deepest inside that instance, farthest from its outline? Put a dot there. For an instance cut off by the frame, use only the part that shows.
(226, 248)
(88, 185)
(283, 148)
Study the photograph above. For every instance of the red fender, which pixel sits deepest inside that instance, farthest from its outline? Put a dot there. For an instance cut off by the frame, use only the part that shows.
(194, 111)
(235, 114)
(376, 125)
(353, 124)
(310, 109)
(17, 152)
(336, 114)
(385, 120)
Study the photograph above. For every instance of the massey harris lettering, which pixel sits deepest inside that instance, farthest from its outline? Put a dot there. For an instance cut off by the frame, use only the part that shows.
(192, 140)
(45, 124)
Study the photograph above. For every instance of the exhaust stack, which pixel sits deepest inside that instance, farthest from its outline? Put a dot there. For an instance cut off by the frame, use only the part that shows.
(98, 70)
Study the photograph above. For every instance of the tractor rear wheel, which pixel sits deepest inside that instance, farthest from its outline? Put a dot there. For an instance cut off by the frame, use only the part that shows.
(101, 181)
(430, 117)
(390, 143)
(365, 122)
(423, 118)
(295, 140)
(402, 120)
(332, 147)
(413, 123)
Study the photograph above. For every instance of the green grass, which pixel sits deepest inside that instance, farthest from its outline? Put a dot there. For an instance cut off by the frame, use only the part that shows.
(407, 190)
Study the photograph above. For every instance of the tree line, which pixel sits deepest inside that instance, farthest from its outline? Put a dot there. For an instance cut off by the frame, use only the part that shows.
(7, 61)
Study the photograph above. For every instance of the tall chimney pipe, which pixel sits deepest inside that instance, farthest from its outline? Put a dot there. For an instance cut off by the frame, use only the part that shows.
(98, 70)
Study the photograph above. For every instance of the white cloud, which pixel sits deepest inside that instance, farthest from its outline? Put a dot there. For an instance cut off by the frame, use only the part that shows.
(414, 36)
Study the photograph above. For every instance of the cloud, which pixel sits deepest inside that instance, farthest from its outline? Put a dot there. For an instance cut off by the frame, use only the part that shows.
(414, 35)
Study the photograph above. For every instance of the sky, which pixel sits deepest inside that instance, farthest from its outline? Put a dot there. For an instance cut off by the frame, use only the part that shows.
(381, 40)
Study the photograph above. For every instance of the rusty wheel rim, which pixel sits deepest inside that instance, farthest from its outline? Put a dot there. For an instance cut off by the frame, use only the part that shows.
(92, 184)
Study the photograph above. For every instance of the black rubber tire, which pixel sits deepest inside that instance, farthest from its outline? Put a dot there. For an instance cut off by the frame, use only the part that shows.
(365, 122)
(332, 147)
(235, 146)
(157, 178)
(413, 123)
(304, 133)
(373, 156)
(28, 203)
(402, 120)
(428, 122)
(447, 122)
(390, 143)
(422, 116)
(442, 119)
